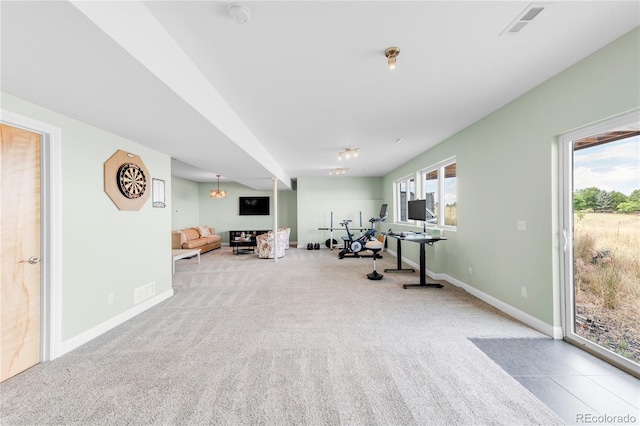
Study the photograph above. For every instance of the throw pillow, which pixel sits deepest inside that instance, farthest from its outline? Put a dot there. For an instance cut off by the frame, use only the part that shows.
(204, 231)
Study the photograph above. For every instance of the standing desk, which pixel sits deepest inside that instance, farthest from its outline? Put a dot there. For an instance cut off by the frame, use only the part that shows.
(422, 240)
(399, 239)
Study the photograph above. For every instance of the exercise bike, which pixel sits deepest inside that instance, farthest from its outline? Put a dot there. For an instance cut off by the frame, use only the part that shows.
(354, 246)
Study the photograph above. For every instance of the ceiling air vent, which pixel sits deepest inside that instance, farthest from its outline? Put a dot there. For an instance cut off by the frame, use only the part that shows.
(523, 19)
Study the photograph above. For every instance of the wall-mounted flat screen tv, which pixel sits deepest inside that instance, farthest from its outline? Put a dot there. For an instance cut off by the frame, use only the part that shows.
(254, 206)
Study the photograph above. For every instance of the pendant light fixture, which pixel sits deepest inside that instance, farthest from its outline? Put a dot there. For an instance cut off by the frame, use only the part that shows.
(216, 193)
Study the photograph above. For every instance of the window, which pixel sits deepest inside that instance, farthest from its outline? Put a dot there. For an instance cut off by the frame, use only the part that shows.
(431, 190)
(440, 183)
(450, 195)
(406, 191)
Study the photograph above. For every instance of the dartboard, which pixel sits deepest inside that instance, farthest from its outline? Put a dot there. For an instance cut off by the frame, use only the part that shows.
(131, 180)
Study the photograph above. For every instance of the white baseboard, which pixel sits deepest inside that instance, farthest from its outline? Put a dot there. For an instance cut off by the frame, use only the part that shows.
(554, 332)
(82, 338)
(531, 321)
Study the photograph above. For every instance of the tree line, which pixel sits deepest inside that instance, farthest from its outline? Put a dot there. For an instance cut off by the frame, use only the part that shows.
(600, 200)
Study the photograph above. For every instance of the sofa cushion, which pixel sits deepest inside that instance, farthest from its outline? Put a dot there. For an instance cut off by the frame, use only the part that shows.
(191, 234)
(202, 241)
(204, 231)
(195, 243)
(211, 239)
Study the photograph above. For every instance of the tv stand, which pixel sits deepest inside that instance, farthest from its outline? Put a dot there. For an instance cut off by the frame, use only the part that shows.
(236, 234)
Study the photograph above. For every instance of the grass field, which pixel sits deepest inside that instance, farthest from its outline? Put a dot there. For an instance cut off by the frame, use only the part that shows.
(607, 280)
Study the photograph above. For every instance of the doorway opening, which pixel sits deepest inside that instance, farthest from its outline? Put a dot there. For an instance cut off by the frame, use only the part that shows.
(600, 199)
(51, 235)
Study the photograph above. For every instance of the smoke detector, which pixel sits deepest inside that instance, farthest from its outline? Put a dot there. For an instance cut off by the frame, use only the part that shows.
(239, 14)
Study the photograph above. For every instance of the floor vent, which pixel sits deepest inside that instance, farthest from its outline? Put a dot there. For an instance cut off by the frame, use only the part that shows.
(144, 292)
(523, 19)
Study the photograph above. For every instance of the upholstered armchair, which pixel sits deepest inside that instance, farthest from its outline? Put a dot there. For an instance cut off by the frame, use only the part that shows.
(265, 244)
(287, 232)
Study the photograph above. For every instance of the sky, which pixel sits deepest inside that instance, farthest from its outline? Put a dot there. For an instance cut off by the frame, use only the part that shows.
(613, 166)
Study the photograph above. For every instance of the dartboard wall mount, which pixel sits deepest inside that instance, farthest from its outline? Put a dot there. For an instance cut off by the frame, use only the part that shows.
(126, 180)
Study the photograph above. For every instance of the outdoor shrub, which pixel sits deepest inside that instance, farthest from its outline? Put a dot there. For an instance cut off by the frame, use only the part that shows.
(607, 283)
(583, 246)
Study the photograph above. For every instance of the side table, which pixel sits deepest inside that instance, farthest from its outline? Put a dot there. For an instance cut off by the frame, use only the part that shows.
(177, 254)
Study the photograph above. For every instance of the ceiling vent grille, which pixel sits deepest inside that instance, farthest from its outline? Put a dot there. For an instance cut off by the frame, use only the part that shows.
(531, 13)
(523, 19)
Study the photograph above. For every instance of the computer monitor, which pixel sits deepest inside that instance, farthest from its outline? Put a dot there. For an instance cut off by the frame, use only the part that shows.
(422, 210)
(382, 217)
(383, 211)
(417, 210)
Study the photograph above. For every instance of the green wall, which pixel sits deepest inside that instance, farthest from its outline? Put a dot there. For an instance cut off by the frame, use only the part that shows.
(104, 250)
(507, 167)
(223, 214)
(185, 206)
(192, 207)
(344, 196)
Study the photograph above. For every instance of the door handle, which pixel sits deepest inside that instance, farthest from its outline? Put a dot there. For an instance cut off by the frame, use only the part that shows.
(32, 260)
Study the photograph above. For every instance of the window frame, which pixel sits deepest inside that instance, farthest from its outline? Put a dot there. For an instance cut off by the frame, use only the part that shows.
(438, 167)
(398, 197)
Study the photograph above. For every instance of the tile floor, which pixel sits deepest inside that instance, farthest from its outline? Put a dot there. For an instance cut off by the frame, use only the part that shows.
(578, 386)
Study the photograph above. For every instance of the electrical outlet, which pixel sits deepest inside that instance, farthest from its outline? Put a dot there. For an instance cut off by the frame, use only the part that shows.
(470, 270)
(110, 298)
(522, 225)
(523, 291)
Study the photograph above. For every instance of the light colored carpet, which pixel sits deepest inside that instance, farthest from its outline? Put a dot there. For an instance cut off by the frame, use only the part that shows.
(305, 341)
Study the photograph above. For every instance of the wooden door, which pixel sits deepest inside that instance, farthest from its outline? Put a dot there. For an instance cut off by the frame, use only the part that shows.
(20, 250)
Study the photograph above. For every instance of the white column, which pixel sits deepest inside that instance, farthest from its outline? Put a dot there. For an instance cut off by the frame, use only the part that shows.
(275, 218)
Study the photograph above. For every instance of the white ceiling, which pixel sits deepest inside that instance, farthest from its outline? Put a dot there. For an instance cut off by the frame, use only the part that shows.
(282, 94)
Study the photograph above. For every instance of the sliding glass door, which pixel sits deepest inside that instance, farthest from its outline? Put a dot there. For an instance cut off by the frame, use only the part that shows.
(600, 199)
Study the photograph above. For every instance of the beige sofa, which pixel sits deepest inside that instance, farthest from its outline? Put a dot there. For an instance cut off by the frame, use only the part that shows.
(202, 237)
